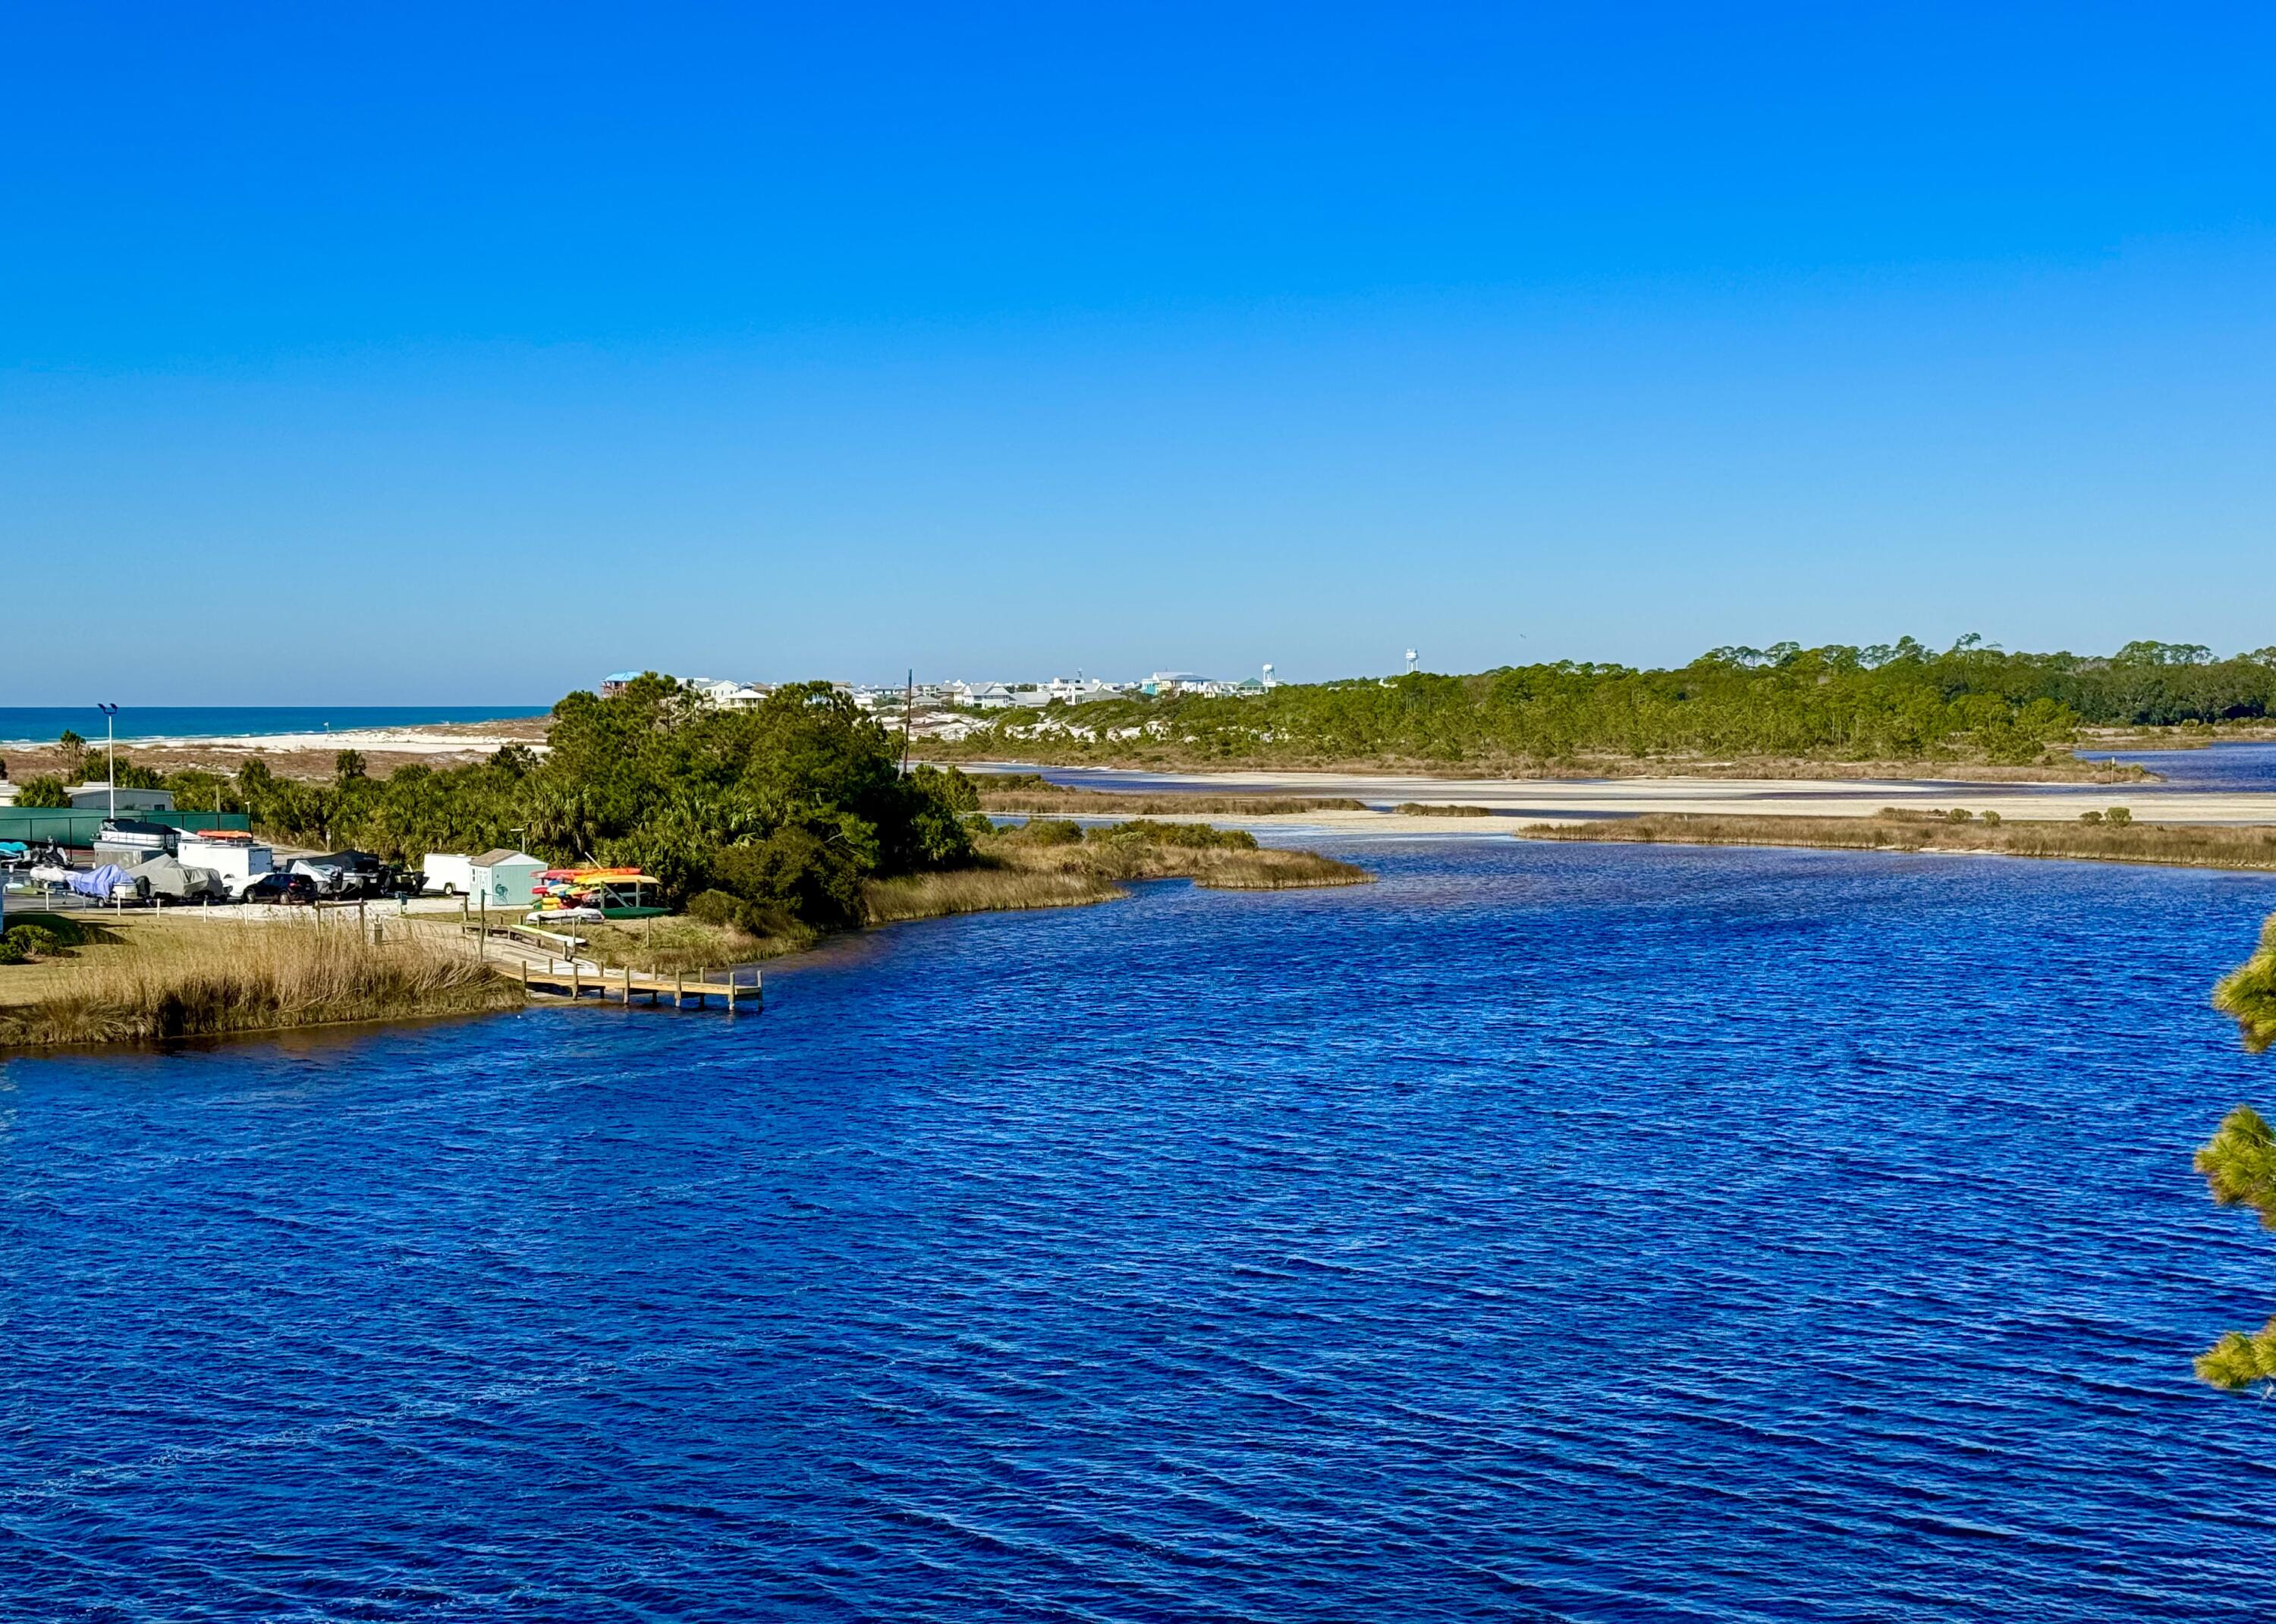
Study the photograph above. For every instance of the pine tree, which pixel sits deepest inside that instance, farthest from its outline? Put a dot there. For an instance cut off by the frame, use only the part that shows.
(2239, 1163)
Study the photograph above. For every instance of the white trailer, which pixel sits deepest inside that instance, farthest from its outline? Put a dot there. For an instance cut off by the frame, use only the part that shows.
(446, 875)
(237, 863)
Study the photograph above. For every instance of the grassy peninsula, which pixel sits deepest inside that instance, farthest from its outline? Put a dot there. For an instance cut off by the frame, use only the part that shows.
(767, 829)
(2100, 837)
(1885, 711)
(1031, 793)
(1053, 862)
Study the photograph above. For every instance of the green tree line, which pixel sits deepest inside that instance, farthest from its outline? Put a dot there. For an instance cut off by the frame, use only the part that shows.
(1895, 702)
(789, 807)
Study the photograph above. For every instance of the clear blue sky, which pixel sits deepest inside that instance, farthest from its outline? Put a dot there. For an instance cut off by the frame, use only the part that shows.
(1001, 341)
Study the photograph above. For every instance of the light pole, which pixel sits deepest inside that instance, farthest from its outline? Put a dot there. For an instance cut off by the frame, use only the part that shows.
(110, 753)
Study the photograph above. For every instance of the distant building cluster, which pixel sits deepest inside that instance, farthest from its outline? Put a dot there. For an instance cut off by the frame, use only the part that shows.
(729, 694)
(945, 710)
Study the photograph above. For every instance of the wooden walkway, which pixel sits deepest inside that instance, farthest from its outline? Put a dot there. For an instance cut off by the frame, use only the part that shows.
(557, 971)
(572, 978)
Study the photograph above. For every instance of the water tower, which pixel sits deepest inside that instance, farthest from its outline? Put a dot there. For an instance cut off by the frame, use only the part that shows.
(1410, 662)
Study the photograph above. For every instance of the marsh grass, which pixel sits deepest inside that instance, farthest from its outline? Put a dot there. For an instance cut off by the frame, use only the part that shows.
(1114, 803)
(160, 982)
(683, 945)
(1038, 865)
(2194, 845)
(1423, 808)
(992, 887)
(1155, 755)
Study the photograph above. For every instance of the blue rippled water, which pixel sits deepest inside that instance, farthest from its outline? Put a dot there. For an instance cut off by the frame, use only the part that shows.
(2233, 766)
(1546, 1232)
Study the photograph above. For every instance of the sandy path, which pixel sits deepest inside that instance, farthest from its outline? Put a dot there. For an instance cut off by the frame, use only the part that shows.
(1573, 801)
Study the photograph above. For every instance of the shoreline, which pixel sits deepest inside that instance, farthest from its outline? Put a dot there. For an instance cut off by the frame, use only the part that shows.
(1597, 799)
(2231, 848)
(164, 977)
(2072, 772)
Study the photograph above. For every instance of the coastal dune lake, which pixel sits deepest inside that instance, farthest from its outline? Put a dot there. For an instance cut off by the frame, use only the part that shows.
(1545, 1232)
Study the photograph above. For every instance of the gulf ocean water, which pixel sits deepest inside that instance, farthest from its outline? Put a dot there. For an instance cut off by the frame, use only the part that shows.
(45, 723)
(1546, 1232)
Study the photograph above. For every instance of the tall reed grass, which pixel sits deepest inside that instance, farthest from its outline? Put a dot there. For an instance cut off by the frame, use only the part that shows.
(2192, 845)
(163, 981)
(1040, 865)
(992, 888)
(1175, 803)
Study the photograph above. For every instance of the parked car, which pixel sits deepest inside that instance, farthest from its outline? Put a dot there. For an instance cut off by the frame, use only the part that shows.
(289, 888)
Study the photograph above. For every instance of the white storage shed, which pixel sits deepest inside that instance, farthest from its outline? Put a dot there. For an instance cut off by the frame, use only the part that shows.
(507, 879)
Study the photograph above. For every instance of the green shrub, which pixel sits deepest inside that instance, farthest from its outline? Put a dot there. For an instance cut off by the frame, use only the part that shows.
(800, 870)
(1991, 817)
(2117, 814)
(2090, 817)
(1051, 831)
(1198, 837)
(11, 951)
(952, 789)
(1959, 815)
(63, 928)
(44, 791)
(37, 941)
(716, 907)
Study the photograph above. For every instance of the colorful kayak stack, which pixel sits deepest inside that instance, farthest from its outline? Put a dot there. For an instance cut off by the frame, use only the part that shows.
(592, 893)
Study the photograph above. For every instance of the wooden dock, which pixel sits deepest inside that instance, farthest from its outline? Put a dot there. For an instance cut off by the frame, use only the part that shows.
(735, 989)
(556, 972)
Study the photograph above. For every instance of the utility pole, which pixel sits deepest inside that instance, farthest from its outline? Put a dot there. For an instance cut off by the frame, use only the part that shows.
(110, 753)
(908, 713)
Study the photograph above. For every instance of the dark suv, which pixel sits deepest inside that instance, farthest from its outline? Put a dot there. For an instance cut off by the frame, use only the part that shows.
(293, 888)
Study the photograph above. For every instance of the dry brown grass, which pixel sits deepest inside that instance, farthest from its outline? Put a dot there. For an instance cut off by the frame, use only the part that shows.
(680, 944)
(991, 889)
(1268, 869)
(2194, 845)
(1153, 755)
(1423, 808)
(205, 979)
(1016, 871)
(1175, 803)
(1104, 857)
